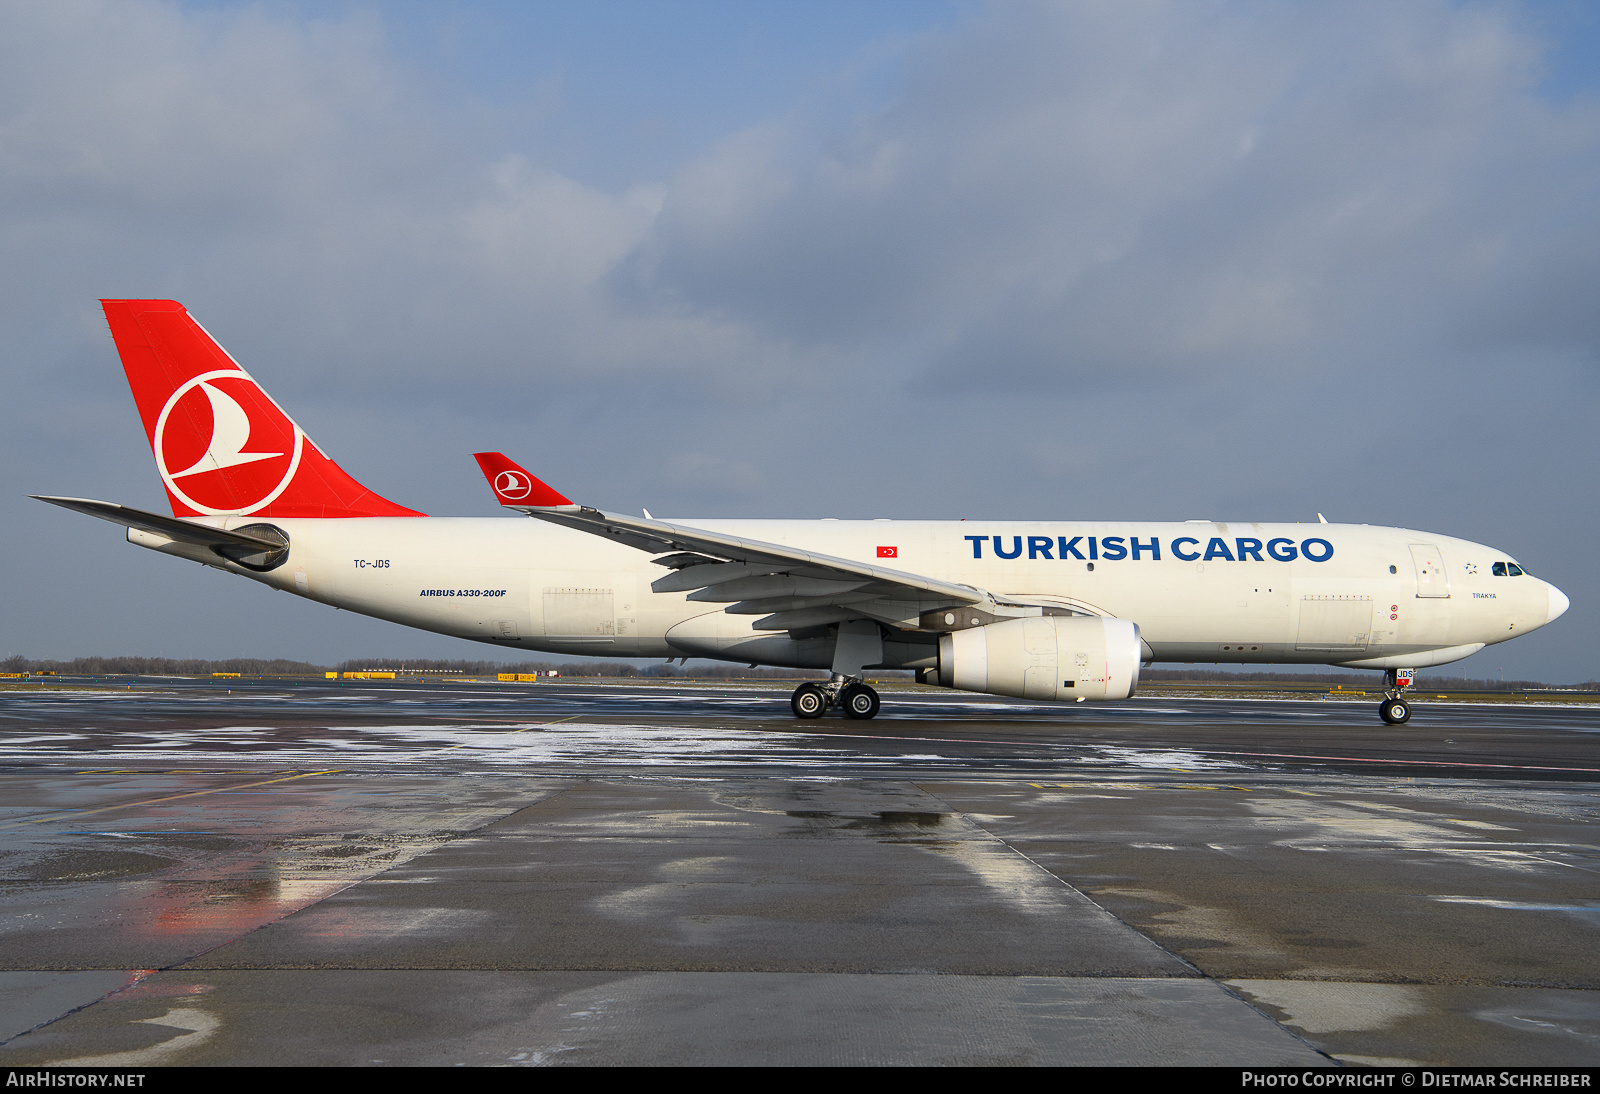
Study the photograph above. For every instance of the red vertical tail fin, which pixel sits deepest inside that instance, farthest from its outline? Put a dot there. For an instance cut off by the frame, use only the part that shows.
(221, 444)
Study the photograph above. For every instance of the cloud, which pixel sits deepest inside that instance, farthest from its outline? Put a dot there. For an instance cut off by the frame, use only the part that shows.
(689, 471)
(1058, 198)
(1075, 260)
(1106, 194)
(143, 114)
(303, 192)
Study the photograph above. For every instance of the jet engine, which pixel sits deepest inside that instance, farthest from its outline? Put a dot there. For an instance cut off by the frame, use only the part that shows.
(1044, 657)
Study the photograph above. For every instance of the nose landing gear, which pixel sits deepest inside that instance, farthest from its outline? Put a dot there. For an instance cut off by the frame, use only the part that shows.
(855, 698)
(1394, 710)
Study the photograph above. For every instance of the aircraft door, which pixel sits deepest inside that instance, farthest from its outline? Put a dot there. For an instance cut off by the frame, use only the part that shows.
(1432, 581)
(579, 612)
(1336, 621)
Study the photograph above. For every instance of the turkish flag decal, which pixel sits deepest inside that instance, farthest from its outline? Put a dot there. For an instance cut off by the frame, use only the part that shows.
(888, 552)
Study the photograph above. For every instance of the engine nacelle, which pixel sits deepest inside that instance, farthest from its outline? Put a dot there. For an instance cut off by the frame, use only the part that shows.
(1044, 657)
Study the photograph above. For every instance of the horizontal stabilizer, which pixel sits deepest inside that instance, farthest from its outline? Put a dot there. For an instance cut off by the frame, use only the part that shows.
(181, 530)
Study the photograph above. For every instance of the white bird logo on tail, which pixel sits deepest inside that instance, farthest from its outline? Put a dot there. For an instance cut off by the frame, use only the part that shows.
(234, 492)
(512, 485)
(230, 432)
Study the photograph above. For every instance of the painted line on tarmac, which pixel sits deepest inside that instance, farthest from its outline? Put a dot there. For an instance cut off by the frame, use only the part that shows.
(934, 740)
(1415, 763)
(1104, 784)
(170, 798)
(1225, 752)
(523, 729)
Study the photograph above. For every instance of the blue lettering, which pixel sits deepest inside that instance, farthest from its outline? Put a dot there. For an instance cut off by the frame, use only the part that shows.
(1039, 546)
(1187, 558)
(1284, 553)
(1094, 552)
(1114, 550)
(1154, 547)
(977, 545)
(1327, 550)
(1248, 549)
(1070, 547)
(1016, 547)
(1218, 549)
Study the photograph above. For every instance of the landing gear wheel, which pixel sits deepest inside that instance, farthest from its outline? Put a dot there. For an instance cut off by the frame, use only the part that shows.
(808, 702)
(859, 701)
(1396, 712)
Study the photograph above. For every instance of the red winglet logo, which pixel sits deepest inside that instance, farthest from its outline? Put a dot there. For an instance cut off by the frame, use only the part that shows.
(514, 486)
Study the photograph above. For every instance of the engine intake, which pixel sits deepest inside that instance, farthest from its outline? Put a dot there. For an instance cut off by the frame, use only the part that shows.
(1044, 657)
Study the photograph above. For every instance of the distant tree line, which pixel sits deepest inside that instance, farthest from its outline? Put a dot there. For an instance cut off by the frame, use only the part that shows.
(255, 666)
(161, 666)
(713, 671)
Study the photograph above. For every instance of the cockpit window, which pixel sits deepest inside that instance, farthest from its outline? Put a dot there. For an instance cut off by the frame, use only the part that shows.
(1507, 569)
(1515, 570)
(1499, 569)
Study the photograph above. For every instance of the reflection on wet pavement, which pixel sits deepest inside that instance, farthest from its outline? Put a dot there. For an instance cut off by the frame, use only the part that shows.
(581, 875)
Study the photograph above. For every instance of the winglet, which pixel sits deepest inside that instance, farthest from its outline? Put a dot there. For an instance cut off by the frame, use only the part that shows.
(513, 486)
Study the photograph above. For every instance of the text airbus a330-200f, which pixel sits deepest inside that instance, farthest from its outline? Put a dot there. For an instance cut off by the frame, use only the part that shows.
(1044, 610)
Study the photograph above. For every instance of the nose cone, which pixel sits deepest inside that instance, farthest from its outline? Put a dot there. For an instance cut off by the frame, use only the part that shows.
(1558, 602)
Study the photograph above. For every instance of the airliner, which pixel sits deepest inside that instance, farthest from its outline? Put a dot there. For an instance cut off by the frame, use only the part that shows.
(1064, 611)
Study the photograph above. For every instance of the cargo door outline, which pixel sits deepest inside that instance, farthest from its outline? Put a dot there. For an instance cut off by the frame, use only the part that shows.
(1339, 623)
(584, 613)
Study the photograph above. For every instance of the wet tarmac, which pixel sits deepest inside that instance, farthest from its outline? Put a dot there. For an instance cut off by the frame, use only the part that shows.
(389, 872)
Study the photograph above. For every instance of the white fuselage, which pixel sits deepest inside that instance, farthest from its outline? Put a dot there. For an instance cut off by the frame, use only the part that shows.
(1199, 591)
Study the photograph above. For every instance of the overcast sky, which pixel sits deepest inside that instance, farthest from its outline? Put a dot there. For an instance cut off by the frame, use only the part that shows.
(933, 260)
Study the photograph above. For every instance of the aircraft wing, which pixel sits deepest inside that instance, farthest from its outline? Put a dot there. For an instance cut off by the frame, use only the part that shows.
(790, 587)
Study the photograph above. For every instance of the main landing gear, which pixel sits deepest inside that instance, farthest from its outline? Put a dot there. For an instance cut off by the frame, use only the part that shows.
(1394, 710)
(808, 701)
(855, 698)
